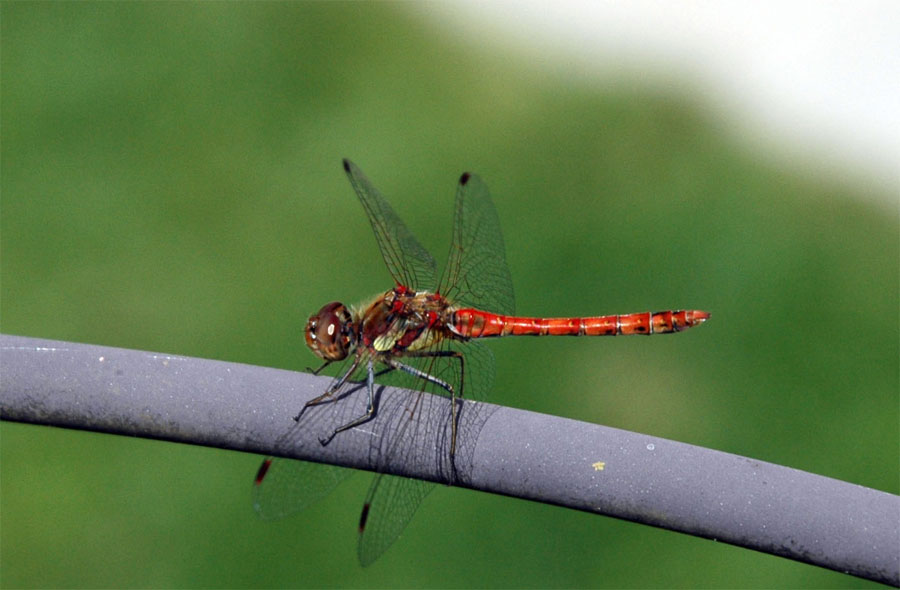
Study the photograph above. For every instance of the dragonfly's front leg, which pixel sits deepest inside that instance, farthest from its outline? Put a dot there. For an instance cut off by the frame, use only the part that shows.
(370, 405)
(335, 387)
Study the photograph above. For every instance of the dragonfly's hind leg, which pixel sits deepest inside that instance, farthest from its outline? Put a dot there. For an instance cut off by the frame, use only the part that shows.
(440, 383)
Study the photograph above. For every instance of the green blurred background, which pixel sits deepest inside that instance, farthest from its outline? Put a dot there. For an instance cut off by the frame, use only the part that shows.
(171, 181)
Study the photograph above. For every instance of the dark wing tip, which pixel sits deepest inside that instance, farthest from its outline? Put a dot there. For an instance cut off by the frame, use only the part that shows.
(346, 165)
(261, 474)
(464, 178)
(364, 517)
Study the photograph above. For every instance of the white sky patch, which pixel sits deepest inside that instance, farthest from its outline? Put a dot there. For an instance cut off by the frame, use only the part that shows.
(817, 82)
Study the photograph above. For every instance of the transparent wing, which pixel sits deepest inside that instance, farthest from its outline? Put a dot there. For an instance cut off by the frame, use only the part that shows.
(392, 501)
(390, 505)
(477, 274)
(284, 486)
(408, 262)
(403, 416)
(290, 486)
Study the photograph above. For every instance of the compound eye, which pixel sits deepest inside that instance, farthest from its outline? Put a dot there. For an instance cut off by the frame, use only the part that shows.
(328, 332)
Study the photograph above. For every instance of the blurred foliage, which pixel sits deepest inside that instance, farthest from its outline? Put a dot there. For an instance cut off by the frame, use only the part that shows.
(171, 181)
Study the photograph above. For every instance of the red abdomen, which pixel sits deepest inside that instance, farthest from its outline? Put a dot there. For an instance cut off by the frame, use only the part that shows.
(474, 323)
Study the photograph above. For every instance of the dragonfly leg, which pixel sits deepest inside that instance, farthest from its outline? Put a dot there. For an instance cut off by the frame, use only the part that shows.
(320, 369)
(370, 405)
(440, 383)
(331, 390)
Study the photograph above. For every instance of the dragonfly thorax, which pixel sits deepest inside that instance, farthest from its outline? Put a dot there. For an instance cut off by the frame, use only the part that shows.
(331, 332)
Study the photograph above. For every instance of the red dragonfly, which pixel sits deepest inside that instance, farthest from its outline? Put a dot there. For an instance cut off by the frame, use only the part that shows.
(419, 334)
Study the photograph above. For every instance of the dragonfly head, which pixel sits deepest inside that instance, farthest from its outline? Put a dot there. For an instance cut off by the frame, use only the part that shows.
(331, 333)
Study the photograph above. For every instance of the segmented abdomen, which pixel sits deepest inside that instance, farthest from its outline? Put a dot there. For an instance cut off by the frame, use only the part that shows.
(474, 323)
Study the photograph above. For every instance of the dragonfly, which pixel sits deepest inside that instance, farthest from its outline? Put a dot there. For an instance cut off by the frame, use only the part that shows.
(421, 334)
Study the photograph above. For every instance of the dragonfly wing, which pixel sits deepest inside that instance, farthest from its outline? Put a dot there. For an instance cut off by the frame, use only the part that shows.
(390, 505)
(477, 274)
(408, 431)
(408, 262)
(285, 486)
